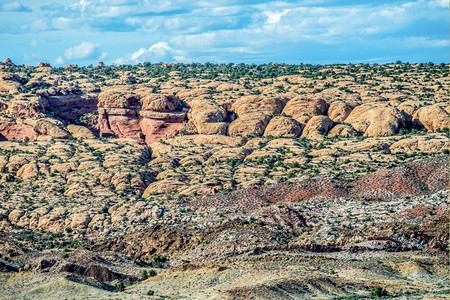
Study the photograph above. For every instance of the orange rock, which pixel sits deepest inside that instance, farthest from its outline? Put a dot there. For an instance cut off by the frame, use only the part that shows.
(316, 126)
(339, 111)
(432, 117)
(376, 119)
(281, 126)
(305, 106)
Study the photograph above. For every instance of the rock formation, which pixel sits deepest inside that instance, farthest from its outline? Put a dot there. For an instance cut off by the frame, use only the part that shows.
(281, 126)
(138, 113)
(254, 113)
(432, 117)
(305, 107)
(376, 119)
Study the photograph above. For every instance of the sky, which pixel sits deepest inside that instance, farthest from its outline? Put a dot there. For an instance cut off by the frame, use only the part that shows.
(253, 31)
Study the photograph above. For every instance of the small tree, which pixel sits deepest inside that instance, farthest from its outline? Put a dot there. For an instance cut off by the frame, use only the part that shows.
(378, 291)
(120, 287)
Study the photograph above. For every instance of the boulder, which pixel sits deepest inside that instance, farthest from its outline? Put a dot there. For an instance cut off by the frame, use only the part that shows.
(281, 126)
(161, 103)
(376, 119)
(432, 117)
(208, 117)
(339, 111)
(163, 186)
(248, 124)
(305, 106)
(317, 126)
(343, 130)
(28, 171)
(79, 220)
(15, 215)
(80, 132)
(269, 106)
(51, 128)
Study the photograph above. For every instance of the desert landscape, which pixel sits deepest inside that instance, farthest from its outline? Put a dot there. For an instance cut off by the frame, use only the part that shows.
(224, 181)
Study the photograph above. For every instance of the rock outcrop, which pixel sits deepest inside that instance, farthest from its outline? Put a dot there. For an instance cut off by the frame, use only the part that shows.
(10, 129)
(432, 117)
(136, 112)
(317, 126)
(305, 107)
(208, 117)
(254, 113)
(281, 126)
(80, 132)
(374, 119)
(343, 130)
(339, 111)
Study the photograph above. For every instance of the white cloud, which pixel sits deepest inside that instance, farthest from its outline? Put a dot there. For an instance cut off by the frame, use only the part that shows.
(103, 55)
(274, 17)
(160, 51)
(82, 5)
(59, 60)
(62, 23)
(440, 3)
(82, 51)
(33, 43)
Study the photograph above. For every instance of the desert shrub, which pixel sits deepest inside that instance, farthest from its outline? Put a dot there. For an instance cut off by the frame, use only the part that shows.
(120, 287)
(378, 291)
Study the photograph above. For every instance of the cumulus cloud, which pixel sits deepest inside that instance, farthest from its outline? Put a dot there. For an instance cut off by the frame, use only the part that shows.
(84, 50)
(59, 60)
(274, 17)
(158, 52)
(14, 6)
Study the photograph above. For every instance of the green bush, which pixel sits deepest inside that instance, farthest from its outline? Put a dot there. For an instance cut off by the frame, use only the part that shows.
(378, 291)
(120, 287)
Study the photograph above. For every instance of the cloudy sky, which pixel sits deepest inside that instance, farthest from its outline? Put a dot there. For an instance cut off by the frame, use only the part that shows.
(251, 31)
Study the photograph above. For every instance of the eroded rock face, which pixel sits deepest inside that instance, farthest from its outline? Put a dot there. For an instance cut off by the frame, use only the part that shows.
(305, 107)
(269, 106)
(208, 117)
(339, 111)
(9, 130)
(376, 120)
(281, 126)
(28, 107)
(79, 132)
(432, 117)
(254, 113)
(317, 126)
(247, 124)
(51, 127)
(343, 130)
(136, 112)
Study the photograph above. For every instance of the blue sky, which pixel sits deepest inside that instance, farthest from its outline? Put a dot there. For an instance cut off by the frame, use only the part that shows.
(253, 31)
